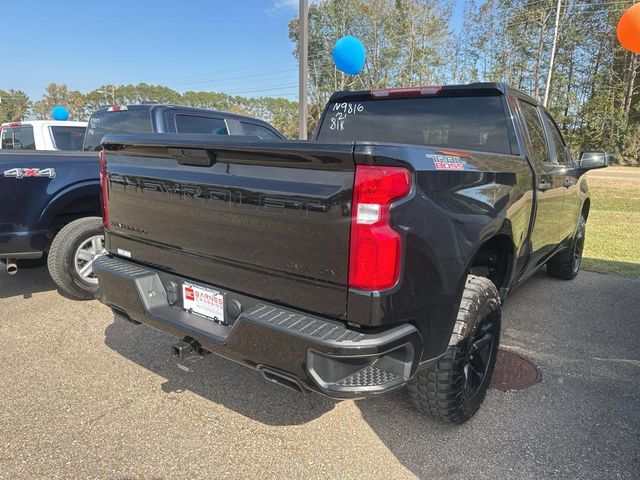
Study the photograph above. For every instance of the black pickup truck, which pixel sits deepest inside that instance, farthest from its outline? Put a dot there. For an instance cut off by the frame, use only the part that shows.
(50, 200)
(374, 257)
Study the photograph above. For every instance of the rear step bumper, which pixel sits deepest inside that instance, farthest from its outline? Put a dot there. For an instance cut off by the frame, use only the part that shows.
(320, 354)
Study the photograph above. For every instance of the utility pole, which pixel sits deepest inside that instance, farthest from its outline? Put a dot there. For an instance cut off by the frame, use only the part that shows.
(553, 54)
(303, 33)
(113, 93)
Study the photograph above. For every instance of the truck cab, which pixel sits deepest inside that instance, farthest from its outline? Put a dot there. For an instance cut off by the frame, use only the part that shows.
(42, 135)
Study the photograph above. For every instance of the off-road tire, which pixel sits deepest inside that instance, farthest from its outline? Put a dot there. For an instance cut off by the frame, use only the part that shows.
(61, 257)
(566, 264)
(441, 391)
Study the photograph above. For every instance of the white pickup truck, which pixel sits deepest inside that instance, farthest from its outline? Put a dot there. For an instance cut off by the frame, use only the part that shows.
(42, 135)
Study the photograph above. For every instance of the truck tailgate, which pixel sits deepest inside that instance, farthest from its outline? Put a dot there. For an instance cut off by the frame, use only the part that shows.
(268, 219)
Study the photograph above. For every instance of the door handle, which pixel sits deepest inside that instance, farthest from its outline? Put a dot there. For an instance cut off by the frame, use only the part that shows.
(193, 156)
(544, 186)
(568, 182)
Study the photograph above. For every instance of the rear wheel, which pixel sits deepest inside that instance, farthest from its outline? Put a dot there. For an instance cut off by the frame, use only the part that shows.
(454, 388)
(566, 264)
(71, 257)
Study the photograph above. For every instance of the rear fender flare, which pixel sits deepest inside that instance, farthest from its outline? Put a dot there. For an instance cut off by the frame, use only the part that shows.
(65, 197)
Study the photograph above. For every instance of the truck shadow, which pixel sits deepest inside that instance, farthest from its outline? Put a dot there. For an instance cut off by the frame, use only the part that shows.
(25, 283)
(222, 381)
(406, 434)
(418, 442)
(245, 391)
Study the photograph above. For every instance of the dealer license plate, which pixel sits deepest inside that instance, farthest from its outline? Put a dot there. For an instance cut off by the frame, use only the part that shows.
(204, 301)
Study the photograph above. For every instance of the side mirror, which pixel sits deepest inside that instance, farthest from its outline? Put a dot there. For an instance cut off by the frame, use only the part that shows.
(592, 160)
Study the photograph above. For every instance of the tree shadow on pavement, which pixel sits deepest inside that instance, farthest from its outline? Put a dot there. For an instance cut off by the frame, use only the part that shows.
(222, 381)
(25, 283)
(614, 267)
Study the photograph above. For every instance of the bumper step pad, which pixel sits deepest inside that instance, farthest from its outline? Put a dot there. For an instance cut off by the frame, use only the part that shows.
(368, 377)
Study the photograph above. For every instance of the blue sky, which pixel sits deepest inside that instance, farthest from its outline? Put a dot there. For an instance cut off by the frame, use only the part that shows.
(236, 46)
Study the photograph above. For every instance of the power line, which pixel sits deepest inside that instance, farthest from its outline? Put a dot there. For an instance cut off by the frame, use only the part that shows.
(215, 80)
(239, 73)
(572, 13)
(567, 10)
(265, 89)
(227, 71)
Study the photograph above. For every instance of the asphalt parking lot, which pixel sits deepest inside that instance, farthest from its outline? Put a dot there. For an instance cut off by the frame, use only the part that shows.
(83, 396)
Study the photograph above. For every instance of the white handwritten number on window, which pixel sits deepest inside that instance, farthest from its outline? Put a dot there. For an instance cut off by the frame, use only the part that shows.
(341, 112)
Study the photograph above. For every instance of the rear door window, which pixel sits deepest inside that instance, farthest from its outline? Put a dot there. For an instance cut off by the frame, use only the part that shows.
(537, 137)
(558, 142)
(67, 138)
(200, 124)
(18, 138)
(258, 131)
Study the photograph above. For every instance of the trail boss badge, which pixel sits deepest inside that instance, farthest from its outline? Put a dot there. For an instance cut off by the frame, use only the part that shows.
(30, 172)
(446, 162)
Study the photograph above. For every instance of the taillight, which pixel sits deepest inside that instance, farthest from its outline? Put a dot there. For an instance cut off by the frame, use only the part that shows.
(376, 248)
(104, 185)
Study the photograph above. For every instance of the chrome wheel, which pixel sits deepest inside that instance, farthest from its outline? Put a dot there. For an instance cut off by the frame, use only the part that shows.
(85, 255)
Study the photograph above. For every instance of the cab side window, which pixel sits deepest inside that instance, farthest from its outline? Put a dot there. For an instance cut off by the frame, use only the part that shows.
(558, 143)
(537, 137)
(258, 131)
(200, 124)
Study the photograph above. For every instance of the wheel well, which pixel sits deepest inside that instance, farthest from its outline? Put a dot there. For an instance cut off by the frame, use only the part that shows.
(493, 260)
(86, 206)
(585, 208)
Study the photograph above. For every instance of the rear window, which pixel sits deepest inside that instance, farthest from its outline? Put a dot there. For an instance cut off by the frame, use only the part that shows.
(198, 124)
(18, 138)
(468, 123)
(101, 123)
(67, 138)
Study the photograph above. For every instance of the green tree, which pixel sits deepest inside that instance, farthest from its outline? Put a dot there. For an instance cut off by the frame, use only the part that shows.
(407, 43)
(14, 105)
(59, 94)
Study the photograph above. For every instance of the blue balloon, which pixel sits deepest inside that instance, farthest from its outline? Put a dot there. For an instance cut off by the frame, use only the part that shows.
(59, 113)
(349, 55)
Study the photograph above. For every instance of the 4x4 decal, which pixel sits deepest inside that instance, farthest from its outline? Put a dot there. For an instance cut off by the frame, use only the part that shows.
(30, 172)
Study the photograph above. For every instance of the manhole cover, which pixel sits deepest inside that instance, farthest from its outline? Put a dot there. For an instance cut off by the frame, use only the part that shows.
(512, 372)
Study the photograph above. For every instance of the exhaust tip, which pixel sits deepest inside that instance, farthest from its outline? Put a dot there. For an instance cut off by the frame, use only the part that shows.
(12, 267)
(282, 379)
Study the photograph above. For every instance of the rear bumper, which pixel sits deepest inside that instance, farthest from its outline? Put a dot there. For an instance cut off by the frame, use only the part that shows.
(318, 353)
